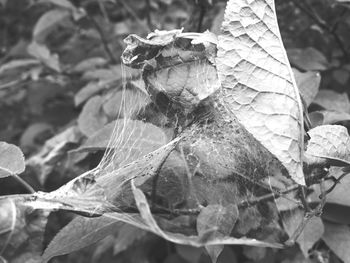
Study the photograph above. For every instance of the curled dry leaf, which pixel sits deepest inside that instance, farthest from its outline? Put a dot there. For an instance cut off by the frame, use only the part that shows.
(328, 144)
(258, 83)
(179, 65)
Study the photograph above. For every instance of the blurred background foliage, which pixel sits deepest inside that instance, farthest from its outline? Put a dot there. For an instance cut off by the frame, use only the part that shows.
(60, 82)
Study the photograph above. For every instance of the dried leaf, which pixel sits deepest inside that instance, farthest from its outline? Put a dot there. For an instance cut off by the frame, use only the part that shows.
(91, 119)
(79, 233)
(331, 100)
(11, 160)
(258, 83)
(337, 238)
(188, 83)
(329, 144)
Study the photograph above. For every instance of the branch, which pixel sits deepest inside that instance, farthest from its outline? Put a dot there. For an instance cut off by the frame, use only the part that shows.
(103, 40)
(135, 16)
(312, 13)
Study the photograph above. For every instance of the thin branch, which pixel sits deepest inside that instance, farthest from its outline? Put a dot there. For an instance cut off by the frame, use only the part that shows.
(311, 12)
(24, 184)
(267, 197)
(134, 15)
(202, 12)
(103, 11)
(103, 40)
(148, 15)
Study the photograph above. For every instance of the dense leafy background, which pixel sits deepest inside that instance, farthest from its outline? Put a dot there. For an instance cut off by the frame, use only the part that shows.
(60, 83)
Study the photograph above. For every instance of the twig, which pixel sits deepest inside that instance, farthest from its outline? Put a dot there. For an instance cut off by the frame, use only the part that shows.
(308, 216)
(134, 15)
(148, 15)
(103, 11)
(201, 16)
(103, 40)
(311, 12)
(267, 197)
(24, 184)
(11, 83)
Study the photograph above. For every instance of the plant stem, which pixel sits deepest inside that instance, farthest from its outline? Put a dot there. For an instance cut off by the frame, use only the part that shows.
(134, 15)
(311, 12)
(24, 183)
(103, 40)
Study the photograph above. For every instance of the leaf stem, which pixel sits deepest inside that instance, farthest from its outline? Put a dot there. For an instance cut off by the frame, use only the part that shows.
(24, 183)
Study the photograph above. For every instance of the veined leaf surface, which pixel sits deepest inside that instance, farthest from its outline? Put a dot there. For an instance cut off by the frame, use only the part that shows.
(258, 83)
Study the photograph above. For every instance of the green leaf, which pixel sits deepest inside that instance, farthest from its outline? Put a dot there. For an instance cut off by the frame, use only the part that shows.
(133, 136)
(191, 254)
(89, 64)
(219, 218)
(91, 118)
(125, 103)
(331, 100)
(79, 233)
(312, 232)
(318, 118)
(308, 84)
(18, 63)
(11, 160)
(258, 82)
(127, 236)
(61, 3)
(337, 238)
(43, 54)
(87, 92)
(47, 22)
(308, 59)
(328, 144)
(111, 73)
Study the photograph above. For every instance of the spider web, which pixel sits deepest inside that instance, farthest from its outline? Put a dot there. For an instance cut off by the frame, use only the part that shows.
(211, 182)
